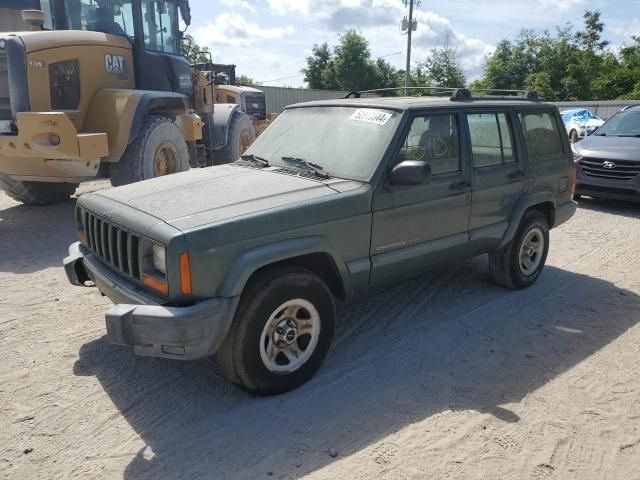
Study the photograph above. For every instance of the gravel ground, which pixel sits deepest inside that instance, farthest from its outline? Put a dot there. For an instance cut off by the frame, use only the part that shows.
(445, 376)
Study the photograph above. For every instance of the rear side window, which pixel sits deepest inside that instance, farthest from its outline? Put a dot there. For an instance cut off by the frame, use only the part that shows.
(491, 139)
(542, 136)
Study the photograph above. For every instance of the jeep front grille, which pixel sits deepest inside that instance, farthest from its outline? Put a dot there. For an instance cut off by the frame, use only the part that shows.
(615, 170)
(114, 245)
(5, 102)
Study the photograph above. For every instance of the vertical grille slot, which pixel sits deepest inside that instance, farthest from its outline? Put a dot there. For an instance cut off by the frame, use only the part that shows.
(112, 244)
(5, 103)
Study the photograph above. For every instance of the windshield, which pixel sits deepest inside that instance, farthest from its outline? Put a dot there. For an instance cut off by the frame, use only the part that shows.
(346, 142)
(108, 16)
(622, 124)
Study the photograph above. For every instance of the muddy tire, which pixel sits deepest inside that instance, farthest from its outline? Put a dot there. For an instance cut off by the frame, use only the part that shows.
(37, 193)
(281, 332)
(240, 136)
(160, 149)
(519, 264)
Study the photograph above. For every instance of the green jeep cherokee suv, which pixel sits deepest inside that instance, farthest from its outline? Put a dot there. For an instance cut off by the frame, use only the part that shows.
(245, 262)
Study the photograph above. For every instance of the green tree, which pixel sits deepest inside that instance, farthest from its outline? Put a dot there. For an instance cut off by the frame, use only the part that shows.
(388, 74)
(441, 69)
(193, 52)
(541, 83)
(245, 80)
(317, 63)
(354, 69)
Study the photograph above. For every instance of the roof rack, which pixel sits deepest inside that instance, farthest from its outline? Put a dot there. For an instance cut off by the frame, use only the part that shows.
(459, 94)
(438, 90)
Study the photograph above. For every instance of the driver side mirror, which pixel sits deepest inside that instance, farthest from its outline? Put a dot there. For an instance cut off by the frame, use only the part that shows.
(410, 172)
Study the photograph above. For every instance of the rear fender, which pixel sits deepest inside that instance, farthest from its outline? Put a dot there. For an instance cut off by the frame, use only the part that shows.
(525, 202)
(222, 115)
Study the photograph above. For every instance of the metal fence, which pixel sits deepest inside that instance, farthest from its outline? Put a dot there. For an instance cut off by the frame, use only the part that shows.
(278, 98)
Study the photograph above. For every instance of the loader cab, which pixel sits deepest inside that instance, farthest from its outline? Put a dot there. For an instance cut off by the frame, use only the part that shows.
(152, 27)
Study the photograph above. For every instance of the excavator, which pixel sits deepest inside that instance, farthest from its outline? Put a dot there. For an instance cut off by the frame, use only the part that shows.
(99, 89)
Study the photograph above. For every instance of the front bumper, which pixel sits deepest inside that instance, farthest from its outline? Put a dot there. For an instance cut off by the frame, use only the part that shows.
(139, 320)
(31, 155)
(626, 190)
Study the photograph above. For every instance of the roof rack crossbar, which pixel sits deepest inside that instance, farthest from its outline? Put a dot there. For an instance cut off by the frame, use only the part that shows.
(459, 94)
(357, 94)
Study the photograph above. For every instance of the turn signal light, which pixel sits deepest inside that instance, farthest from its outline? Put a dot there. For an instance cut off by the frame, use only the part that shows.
(185, 274)
(574, 174)
(155, 284)
(82, 237)
(54, 139)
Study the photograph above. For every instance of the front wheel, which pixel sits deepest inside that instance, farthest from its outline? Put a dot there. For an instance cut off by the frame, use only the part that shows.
(281, 332)
(159, 150)
(519, 264)
(36, 193)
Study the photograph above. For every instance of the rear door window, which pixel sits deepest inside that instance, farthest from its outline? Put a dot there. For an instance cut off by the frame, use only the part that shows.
(491, 139)
(542, 136)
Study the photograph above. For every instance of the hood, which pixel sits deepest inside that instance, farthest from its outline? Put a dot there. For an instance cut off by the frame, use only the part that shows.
(614, 148)
(44, 40)
(216, 194)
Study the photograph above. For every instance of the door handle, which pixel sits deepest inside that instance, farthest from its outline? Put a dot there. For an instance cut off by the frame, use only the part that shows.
(517, 174)
(456, 187)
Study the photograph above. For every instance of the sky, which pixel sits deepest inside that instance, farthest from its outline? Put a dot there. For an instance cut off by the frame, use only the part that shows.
(269, 39)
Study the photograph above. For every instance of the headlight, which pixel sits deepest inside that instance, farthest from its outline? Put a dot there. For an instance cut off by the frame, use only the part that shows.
(576, 155)
(64, 85)
(160, 258)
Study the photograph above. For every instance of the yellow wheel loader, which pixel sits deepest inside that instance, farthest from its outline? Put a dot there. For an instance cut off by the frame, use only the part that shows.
(106, 93)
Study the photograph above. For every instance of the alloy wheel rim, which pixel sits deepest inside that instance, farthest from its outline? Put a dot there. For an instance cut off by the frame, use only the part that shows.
(290, 336)
(531, 251)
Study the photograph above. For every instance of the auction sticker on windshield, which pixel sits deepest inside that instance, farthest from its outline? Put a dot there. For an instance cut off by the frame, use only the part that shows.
(371, 116)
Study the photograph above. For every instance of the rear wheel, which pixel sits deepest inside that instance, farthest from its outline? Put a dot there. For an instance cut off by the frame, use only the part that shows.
(36, 193)
(519, 264)
(240, 137)
(281, 332)
(159, 150)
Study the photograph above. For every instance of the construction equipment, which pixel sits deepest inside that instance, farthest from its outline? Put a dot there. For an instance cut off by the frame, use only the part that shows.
(106, 93)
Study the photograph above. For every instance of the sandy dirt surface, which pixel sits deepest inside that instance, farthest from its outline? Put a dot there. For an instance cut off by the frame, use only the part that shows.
(444, 377)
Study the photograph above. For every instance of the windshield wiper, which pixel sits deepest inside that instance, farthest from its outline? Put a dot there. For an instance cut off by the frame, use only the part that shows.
(632, 135)
(315, 168)
(263, 162)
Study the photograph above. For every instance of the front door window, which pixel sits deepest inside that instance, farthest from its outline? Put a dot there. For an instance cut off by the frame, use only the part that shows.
(159, 25)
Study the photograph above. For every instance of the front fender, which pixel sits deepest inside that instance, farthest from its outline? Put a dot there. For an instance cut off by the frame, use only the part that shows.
(525, 202)
(252, 260)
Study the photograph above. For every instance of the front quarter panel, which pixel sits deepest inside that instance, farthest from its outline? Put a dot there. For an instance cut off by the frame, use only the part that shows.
(224, 256)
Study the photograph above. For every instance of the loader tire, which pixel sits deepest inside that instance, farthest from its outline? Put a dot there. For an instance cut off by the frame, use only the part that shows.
(159, 150)
(36, 193)
(240, 137)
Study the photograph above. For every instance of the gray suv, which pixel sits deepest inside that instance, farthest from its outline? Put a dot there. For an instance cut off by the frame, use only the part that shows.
(609, 160)
(246, 262)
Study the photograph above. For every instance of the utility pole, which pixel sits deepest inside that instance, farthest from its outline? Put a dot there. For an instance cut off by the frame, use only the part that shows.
(410, 26)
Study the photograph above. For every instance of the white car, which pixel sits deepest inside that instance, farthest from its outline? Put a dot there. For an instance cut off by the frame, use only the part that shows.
(580, 123)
